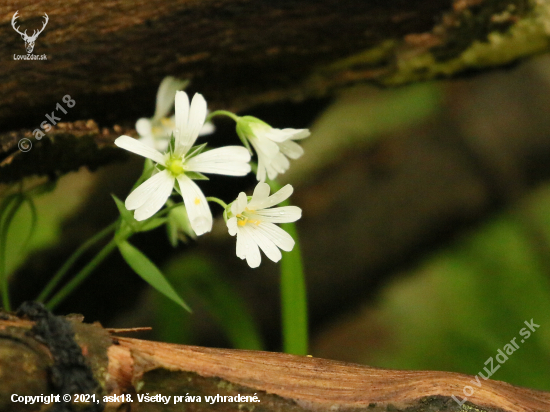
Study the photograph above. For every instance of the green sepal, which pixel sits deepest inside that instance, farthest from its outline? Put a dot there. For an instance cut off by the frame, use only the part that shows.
(196, 176)
(148, 271)
(196, 150)
(172, 144)
(178, 226)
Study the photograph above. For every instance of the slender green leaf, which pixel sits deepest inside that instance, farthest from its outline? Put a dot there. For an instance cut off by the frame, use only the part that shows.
(149, 272)
(34, 218)
(8, 210)
(126, 214)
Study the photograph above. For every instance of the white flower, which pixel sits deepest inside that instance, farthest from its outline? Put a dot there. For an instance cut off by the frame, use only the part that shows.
(156, 131)
(151, 195)
(273, 146)
(253, 223)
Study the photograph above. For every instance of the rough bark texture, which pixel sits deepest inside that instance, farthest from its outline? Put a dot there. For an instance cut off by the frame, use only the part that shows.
(241, 53)
(66, 148)
(280, 382)
(238, 53)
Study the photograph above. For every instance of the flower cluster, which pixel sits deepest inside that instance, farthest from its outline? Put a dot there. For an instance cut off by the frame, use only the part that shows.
(170, 144)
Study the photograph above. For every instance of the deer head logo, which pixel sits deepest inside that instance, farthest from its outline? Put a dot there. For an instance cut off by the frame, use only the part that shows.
(29, 40)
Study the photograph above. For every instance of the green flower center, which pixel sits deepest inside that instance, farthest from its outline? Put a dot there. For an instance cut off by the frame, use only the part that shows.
(175, 166)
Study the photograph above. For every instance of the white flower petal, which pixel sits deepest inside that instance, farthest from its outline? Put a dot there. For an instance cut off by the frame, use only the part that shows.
(282, 135)
(277, 235)
(229, 160)
(144, 127)
(298, 134)
(197, 115)
(139, 148)
(261, 172)
(261, 193)
(291, 149)
(271, 172)
(141, 195)
(182, 115)
(165, 95)
(276, 198)
(207, 128)
(251, 250)
(280, 163)
(232, 226)
(264, 147)
(268, 247)
(157, 198)
(149, 141)
(239, 204)
(285, 214)
(196, 204)
(278, 135)
(242, 239)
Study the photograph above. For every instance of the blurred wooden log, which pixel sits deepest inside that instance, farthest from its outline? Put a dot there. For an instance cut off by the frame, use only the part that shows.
(281, 382)
(240, 53)
(66, 148)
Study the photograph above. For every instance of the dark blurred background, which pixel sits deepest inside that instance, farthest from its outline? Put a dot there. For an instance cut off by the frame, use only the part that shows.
(425, 231)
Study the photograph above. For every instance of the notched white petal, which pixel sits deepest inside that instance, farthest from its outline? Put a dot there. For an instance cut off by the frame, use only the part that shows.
(207, 128)
(232, 226)
(261, 193)
(240, 204)
(196, 204)
(285, 214)
(266, 245)
(165, 95)
(156, 200)
(252, 252)
(276, 198)
(144, 127)
(197, 116)
(139, 148)
(298, 134)
(291, 149)
(230, 160)
(182, 115)
(277, 235)
(143, 192)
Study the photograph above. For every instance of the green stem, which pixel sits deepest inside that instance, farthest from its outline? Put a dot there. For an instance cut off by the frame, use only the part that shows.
(222, 113)
(294, 298)
(218, 201)
(293, 293)
(82, 275)
(74, 257)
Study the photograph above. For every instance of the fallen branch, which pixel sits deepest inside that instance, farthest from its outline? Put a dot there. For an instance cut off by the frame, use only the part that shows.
(241, 53)
(280, 382)
(66, 148)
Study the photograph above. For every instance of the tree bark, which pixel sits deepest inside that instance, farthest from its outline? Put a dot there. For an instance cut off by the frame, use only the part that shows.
(280, 382)
(241, 53)
(110, 57)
